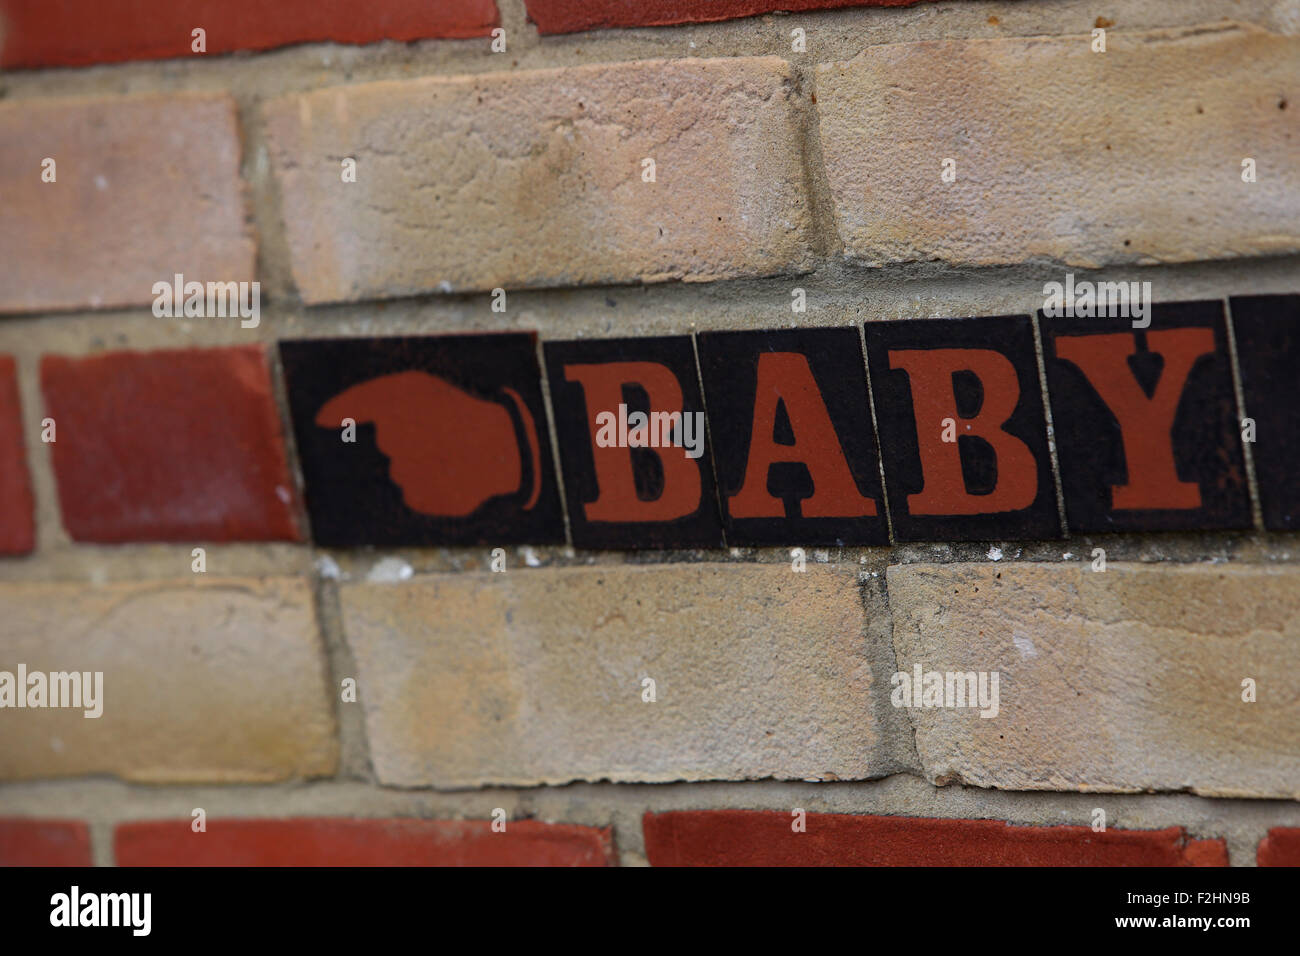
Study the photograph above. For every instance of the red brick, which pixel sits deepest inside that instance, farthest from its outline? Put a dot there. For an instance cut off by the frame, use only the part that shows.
(357, 842)
(1280, 848)
(76, 32)
(44, 843)
(17, 530)
(181, 445)
(570, 16)
(764, 838)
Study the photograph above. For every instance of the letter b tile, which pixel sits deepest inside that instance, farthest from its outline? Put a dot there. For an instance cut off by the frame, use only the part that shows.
(631, 479)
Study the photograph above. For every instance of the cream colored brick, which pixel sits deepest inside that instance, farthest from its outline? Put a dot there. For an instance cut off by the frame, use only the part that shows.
(536, 676)
(1128, 156)
(535, 178)
(1127, 679)
(148, 186)
(220, 682)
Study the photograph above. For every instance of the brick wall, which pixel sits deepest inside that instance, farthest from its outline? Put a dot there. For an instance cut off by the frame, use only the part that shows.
(364, 582)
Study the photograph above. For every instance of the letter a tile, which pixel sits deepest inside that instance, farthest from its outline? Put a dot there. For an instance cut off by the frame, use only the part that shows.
(793, 441)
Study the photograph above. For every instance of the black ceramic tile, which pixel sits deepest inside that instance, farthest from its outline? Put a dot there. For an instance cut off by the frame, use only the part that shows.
(793, 444)
(621, 494)
(451, 445)
(1267, 330)
(962, 430)
(1146, 424)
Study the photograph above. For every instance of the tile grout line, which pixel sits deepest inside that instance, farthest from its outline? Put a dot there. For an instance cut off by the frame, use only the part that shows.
(1053, 458)
(708, 437)
(557, 461)
(1239, 392)
(875, 427)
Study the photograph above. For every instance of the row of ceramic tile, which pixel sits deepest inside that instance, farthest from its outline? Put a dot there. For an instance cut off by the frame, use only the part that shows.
(790, 437)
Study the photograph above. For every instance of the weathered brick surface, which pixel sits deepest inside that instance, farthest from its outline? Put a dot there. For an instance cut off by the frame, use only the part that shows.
(76, 32)
(26, 842)
(327, 841)
(147, 186)
(219, 682)
(1065, 154)
(1127, 679)
(536, 178)
(1280, 848)
(536, 676)
(571, 16)
(172, 445)
(17, 526)
(766, 838)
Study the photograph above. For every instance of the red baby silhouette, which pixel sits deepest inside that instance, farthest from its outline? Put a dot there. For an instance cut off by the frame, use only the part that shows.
(449, 452)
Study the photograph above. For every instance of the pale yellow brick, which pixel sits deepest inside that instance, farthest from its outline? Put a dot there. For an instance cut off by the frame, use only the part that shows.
(1126, 679)
(536, 676)
(218, 682)
(1129, 156)
(535, 178)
